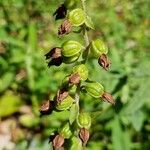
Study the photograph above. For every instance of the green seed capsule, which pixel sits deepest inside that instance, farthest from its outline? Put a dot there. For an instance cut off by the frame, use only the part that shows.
(82, 71)
(71, 48)
(77, 17)
(95, 89)
(69, 60)
(84, 120)
(65, 131)
(65, 103)
(98, 48)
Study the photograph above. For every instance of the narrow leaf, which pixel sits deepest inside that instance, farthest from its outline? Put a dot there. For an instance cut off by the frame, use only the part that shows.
(73, 113)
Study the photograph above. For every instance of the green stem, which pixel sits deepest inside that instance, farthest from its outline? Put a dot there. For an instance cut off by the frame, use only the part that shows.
(85, 33)
(86, 39)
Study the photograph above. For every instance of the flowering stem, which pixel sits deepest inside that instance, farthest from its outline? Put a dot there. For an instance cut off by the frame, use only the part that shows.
(85, 34)
(86, 39)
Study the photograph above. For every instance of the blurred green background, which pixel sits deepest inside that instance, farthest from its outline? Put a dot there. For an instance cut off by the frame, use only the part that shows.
(28, 31)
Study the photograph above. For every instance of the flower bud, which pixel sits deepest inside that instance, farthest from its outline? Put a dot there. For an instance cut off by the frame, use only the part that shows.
(69, 60)
(84, 120)
(60, 13)
(98, 48)
(65, 131)
(95, 89)
(65, 103)
(77, 17)
(82, 71)
(71, 48)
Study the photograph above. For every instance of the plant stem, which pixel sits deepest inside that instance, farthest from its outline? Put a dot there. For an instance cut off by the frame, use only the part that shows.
(85, 34)
(86, 39)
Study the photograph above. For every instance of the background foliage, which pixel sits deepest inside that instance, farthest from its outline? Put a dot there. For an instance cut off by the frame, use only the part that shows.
(28, 31)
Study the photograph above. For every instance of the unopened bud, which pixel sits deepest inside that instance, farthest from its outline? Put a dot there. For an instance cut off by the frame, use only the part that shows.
(84, 135)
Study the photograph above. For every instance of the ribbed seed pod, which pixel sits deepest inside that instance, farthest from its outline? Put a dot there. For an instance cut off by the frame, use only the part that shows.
(98, 48)
(82, 71)
(94, 89)
(77, 17)
(69, 60)
(65, 103)
(71, 48)
(84, 120)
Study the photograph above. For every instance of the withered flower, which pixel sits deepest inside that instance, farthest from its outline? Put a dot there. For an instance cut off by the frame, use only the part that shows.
(108, 98)
(46, 107)
(61, 12)
(104, 62)
(57, 142)
(84, 135)
(55, 56)
(74, 79)
(65, 28)
(61, 94)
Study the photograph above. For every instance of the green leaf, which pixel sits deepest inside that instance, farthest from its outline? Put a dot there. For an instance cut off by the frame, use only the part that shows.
(140, 97)
(74, 111)
(76, 144)
(89, 22)
(28, 120)
(6, 80)
(120, 138)
(9, 104)
(137, 120)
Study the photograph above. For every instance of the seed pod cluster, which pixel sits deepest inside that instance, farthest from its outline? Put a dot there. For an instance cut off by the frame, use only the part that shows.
(76, 127)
